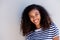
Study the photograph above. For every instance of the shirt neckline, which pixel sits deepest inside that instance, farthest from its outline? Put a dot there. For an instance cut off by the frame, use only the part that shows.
(38, 29)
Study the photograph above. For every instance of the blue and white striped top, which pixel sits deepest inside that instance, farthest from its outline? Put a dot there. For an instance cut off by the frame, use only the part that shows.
(39, 34)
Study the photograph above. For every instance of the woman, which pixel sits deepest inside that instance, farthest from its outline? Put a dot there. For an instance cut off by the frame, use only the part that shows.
(36, 24)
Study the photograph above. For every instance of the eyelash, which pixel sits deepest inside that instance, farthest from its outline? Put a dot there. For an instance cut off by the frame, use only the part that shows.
(36, 14)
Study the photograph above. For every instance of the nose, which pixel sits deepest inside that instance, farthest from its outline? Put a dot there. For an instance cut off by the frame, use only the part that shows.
(34, 17)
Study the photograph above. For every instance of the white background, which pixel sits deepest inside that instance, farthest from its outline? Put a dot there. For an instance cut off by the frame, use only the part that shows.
(10, 16)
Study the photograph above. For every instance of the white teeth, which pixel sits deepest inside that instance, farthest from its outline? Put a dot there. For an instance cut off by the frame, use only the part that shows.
(35, 20)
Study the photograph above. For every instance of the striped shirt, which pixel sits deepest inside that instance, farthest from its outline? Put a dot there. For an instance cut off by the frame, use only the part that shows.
(39, 34)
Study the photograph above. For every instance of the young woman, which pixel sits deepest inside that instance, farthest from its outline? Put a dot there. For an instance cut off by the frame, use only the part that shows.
(36, 24)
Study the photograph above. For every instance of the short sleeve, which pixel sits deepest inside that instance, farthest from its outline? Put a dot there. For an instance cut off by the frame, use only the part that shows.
(55, 30)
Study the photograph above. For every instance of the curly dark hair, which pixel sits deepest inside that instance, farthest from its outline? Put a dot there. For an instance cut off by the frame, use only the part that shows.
(27, 26)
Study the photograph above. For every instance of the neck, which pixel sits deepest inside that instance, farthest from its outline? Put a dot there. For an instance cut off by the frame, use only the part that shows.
(38, 26)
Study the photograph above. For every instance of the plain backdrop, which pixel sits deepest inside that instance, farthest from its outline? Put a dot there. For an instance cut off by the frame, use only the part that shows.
(10, 16)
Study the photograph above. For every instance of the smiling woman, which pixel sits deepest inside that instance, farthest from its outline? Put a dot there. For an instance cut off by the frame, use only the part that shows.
(36, 24)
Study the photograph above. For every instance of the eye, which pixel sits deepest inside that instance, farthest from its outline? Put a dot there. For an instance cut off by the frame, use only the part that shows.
(37, 14)
(31, 16)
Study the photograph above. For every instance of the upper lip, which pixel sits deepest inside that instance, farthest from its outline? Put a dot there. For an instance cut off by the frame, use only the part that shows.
(35, 20)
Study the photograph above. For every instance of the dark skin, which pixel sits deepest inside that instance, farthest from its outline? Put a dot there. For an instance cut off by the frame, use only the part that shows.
(35, 18)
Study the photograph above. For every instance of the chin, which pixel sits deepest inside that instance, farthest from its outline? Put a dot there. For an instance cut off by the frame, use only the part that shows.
(37, 24)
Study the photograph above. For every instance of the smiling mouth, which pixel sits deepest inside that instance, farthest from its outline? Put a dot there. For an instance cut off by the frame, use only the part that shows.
(35, 21)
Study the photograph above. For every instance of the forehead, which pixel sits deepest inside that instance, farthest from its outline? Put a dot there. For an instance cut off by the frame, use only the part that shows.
(33, 11)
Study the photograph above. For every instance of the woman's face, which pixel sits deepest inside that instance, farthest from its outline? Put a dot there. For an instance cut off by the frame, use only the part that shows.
(35, 16)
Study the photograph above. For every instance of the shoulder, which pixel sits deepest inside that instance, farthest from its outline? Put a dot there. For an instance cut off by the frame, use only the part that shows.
(53, 26)
(53, 30)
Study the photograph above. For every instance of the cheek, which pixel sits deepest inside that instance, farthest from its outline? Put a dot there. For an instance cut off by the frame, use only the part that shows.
(39, 17)
(31, 19)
